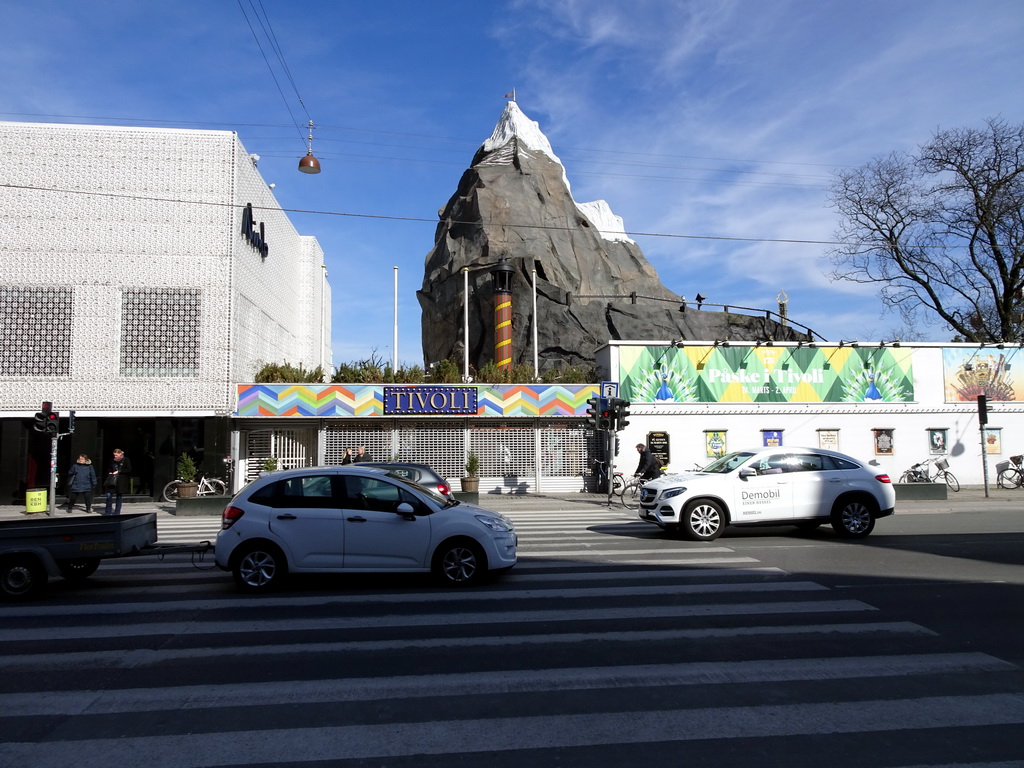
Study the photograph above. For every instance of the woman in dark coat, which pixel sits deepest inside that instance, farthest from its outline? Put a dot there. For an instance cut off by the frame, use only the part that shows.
(81, 481)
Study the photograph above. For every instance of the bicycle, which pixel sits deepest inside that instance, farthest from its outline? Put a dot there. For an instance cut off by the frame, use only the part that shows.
(1011, 476)
(631, 492)
(602, 477)
(922, 473)
(208, 486)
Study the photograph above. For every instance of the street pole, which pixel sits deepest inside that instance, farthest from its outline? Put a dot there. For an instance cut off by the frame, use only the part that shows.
(53, 476)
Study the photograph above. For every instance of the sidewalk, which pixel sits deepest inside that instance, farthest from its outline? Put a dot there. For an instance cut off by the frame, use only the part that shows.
(969, 499)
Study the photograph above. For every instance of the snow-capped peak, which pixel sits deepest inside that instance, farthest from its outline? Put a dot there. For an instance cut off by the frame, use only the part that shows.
(514, 123)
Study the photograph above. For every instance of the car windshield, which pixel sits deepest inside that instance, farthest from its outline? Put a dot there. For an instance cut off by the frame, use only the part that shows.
(728, 463)
(433, 493)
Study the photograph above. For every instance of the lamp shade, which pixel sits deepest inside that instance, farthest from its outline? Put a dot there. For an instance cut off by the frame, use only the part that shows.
(309, 164)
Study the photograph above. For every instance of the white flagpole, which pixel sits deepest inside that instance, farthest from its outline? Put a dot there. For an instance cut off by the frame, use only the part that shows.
(465, 323)
(536, 368)
(394, 346)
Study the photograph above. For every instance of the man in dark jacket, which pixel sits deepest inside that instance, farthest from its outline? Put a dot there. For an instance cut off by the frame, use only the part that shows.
(81, 482)
(115, 484)
(648, 468)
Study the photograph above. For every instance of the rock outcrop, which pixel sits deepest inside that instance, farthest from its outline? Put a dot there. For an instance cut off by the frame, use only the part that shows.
(514, 203)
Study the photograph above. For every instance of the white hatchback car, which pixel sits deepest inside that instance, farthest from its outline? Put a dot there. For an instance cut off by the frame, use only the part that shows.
(354, 519)
(800, 486)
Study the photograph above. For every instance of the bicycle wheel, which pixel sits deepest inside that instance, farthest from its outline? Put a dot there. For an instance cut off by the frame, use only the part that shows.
(631, 494)
(618, 484)
(906, 477)
(951, 481)
(1009, 478)
(171, 490)
(215, 488)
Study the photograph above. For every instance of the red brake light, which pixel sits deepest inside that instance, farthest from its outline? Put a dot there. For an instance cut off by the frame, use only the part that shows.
(444, 489)
(883, 478)
(230, 516)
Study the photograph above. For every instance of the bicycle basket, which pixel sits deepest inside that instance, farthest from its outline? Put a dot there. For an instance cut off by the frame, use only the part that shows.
(942, 464)
(1002, 466)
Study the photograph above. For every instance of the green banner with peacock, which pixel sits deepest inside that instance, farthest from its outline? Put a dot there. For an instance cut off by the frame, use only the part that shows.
(765, 374)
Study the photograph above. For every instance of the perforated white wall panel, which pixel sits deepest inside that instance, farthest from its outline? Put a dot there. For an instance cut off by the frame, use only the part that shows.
(126, 281)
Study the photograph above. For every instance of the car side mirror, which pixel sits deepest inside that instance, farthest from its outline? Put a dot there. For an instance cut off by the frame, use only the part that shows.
(406, 511)
(748, 472)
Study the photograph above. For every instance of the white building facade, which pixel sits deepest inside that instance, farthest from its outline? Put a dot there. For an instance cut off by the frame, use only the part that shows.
(145, 273)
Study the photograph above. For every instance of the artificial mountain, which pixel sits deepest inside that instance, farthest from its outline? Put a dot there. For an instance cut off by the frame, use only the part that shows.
(514, 203)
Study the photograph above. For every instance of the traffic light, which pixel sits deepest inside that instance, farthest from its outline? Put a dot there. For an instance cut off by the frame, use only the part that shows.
(606, 420)
(593, 407)
(47, 420)
(42, 417)
(71, 421)
(621, 413)
(982, 410)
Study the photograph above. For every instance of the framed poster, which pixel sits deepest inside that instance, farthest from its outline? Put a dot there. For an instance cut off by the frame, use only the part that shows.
(715, 441)
(771, 438)
(993, 440)
(937, 440)
(883, 441)
(828, 439)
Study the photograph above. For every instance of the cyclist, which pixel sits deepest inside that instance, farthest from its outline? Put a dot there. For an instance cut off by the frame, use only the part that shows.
(648, 468)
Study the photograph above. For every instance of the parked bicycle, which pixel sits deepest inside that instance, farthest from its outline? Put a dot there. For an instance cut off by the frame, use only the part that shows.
(208, 486)
(601, 470)
(922, 473)
(1011, 475)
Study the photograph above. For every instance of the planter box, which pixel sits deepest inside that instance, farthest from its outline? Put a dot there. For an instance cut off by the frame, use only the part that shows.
(201, 505)
(920, 491)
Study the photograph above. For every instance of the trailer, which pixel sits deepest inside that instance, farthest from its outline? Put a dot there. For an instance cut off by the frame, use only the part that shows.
(33, 550)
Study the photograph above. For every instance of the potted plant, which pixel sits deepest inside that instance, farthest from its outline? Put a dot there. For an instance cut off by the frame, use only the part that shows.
(471, 483)
(188, 487)
(269, 464)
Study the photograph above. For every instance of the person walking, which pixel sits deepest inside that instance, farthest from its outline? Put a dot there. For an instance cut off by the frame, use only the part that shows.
(81, 482)
(648, 468)
(116, 481)
(362, 455)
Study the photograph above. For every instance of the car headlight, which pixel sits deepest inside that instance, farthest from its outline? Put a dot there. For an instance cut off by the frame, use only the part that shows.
(673, 492)
(494, 523)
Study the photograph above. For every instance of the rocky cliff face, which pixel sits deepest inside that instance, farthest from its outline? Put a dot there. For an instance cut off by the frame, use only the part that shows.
(514, 203)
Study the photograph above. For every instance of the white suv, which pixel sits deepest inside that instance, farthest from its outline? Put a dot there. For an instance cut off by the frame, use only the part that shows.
(800, 486)
(353, 519)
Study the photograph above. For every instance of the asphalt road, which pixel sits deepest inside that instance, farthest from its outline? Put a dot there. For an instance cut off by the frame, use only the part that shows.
(609, 644)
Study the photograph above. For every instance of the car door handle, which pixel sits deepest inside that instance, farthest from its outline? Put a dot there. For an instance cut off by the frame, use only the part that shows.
(287, 517)
(356, 519)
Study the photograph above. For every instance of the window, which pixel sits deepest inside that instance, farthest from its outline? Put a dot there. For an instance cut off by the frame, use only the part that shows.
(35, 324)
(160, 332)
(309, 491)
(375, 495)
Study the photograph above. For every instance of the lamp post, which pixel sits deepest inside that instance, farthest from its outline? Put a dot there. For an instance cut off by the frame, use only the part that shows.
(502, 276)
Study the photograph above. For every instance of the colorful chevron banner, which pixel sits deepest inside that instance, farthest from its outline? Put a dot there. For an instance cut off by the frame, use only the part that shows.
(369, 400)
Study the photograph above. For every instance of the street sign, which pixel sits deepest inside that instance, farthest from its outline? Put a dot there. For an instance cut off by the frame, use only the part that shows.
(609, 389)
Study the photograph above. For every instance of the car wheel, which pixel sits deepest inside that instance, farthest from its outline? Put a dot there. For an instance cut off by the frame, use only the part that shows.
(259, 568)
(76, 570)
(703, 520)
(21, 577)
(853, 518)
(459, 563)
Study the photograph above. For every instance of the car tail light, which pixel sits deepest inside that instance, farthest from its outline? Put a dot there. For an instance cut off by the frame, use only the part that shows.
(883, 478)
(444, 489)
(230, 516)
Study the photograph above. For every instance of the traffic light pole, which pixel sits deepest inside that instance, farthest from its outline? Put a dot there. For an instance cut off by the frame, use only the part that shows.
(53, 476)
(609, 451)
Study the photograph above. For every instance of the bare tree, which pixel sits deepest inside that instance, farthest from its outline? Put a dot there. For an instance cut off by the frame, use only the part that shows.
(941, 230)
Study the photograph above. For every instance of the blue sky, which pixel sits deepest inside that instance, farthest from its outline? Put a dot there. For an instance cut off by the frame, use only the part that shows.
(697, 120)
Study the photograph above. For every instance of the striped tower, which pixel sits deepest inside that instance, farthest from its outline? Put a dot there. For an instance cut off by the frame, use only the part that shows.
(502, 275)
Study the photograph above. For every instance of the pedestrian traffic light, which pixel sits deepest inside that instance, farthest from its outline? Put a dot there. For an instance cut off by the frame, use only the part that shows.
(621, 413)
(593, 407)
(52, 420)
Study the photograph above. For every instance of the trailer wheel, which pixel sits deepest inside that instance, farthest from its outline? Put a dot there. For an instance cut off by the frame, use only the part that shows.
(76, 570)
(21, 576)
(259, 567)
